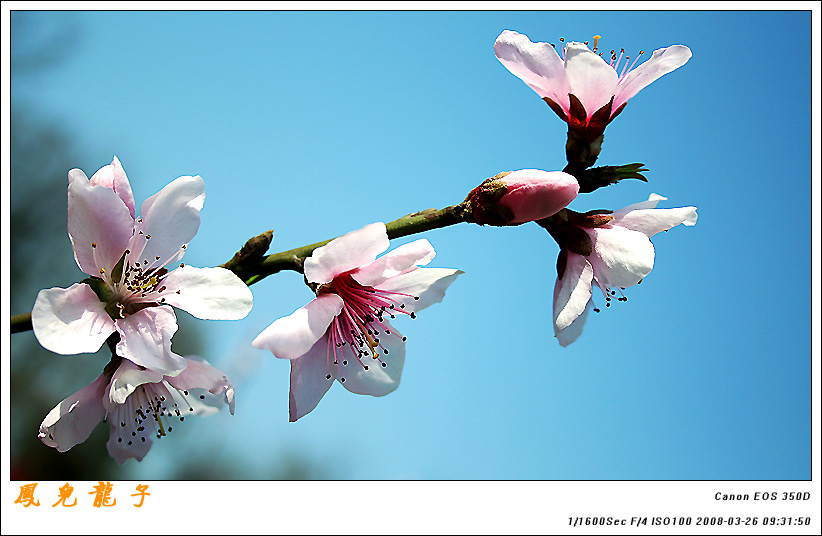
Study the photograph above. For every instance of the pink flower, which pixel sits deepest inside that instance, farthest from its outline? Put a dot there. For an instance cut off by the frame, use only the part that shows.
(138, 403)
(521, 196)
(582, 88)
(344, 332)
(131, 292)
(612, 250)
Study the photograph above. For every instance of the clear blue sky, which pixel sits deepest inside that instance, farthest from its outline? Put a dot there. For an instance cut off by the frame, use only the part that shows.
(315, 124)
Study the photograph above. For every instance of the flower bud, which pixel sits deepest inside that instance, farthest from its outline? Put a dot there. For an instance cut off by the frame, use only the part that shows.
(516, 197)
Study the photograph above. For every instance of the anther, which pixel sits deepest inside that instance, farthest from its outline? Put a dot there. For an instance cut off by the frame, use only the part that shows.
(94, 244)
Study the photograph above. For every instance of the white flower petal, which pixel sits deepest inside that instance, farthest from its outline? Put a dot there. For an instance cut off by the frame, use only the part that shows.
(574, 330)
(662, 62)
(536, 64)
(171, 217)
(145, 339)
(125, 380)
(427, 284)
(292, 336)
(573, 292)
(200, 375)
(207, 293)
(419, 253)
(621, 257)
(592, 80)
(348, 252)
(654, 220)
(125, 440)
(70, 321)
(309, 379)
(99, 225)
(113, 176)
(73, 419)
(375, 380)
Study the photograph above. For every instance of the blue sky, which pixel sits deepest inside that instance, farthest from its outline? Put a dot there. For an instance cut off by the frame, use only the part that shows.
(315, 124)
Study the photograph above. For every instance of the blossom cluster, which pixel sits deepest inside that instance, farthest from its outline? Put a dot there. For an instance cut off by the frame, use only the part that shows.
(130, 294)
(345, 333)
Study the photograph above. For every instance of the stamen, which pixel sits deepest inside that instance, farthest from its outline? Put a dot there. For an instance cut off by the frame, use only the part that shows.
(596, 40)
(361, 320)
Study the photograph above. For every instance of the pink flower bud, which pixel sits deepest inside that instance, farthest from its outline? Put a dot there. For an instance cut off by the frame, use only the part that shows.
(533, 194)
(515, 197)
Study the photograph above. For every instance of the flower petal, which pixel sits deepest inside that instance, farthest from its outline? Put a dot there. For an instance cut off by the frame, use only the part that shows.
(376, 380)
(427, 284)
(71, 320)
(73, 419)
(663, 61)
(99, 224)
(145, 339)
(206, 293)
(417, 253)
(621, 257)
(200, 375)
(352, 250)
(592, 80)
(574, 330)
(573, 292)
(309, 379)
(125, 380)
(171, 217)
(292, 336)
(653, 220)
(536, 64)
(113, 176)
(125, 439)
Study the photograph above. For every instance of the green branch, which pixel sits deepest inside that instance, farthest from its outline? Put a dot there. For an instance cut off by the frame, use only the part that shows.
(21, 322)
